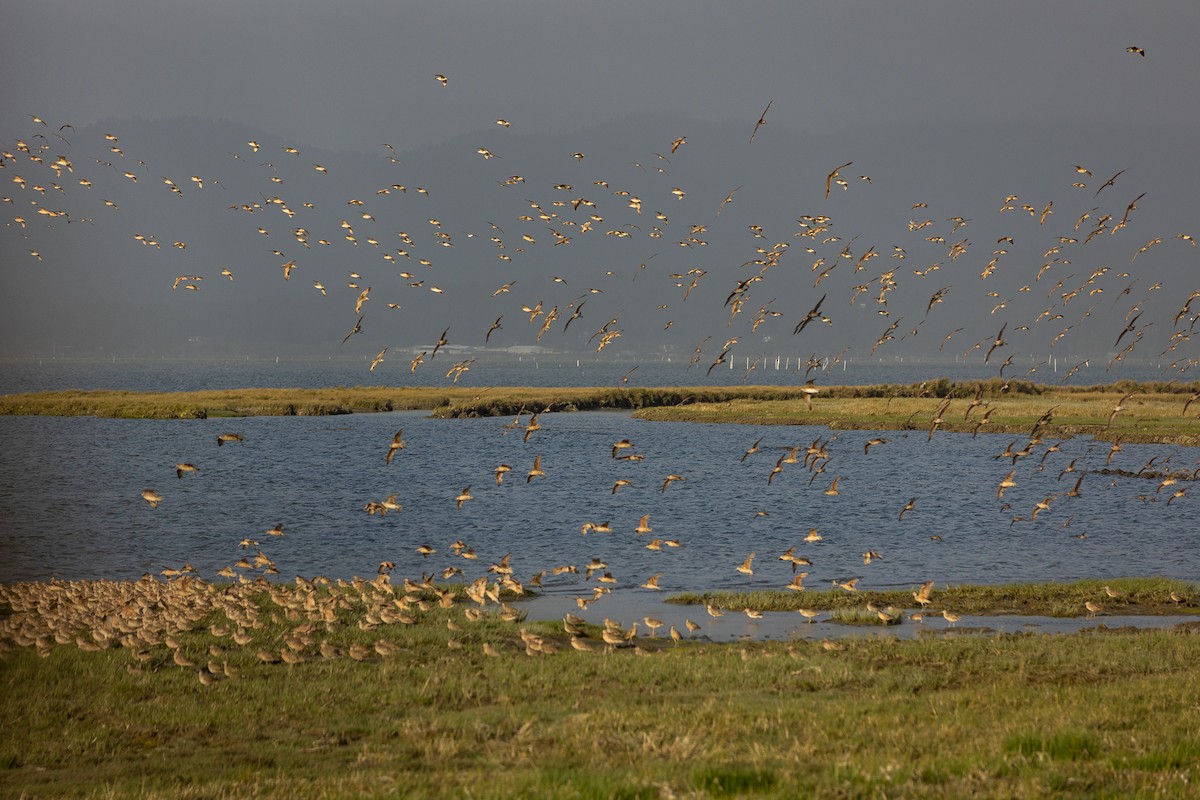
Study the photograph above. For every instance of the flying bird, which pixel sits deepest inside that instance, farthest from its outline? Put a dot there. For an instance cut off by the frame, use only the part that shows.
(1108, 183)
(356, 329)
(829, 178)
(762, 120)
(397, 443)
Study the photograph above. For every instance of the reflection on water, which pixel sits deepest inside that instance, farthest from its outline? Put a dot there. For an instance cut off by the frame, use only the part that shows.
(70, 502)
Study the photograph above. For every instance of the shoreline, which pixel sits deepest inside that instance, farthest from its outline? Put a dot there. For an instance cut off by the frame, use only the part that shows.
(1155, 413)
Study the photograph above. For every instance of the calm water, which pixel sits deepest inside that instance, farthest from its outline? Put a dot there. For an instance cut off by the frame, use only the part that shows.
(70, 504)
(170, 375)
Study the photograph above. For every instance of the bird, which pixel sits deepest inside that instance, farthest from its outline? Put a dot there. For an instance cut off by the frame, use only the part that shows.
(1137, 51)
(872, 443)
(1008, 482)
(951, 617)
(762, 120)
(809, 390)
(1092, 609)
(652, 582)
(222, 438)
(500, 470)
(397, 443)
(832, 491)
(922, 595)
(537, 470)
(670, 479)
(620, 483)
(495, 327)
(356, 329)
(463, 497)
(753, 449)
(442, 79)
(745, 567)
(728, 199)
(152, 497)
(809, 614)
(375, 362)
(182, 468)
(908, 507)
(830, 177)
(1108, 183)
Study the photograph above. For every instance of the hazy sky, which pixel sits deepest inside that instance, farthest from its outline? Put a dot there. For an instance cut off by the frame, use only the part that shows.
(953, 104)
(357, 73)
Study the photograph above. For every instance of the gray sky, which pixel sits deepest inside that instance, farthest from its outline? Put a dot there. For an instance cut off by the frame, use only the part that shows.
(956, 105)
(354, 74)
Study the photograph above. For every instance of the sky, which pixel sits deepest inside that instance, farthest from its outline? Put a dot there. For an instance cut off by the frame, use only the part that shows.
(349, 75)
(954, 105)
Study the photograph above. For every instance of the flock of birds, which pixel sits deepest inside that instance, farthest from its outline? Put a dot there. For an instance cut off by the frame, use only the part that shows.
(50, 186)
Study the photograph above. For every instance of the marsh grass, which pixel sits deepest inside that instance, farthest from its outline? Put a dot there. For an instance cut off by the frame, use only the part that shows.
(988, 716)
(1153, 414)
(1138, 596)
(992, 716)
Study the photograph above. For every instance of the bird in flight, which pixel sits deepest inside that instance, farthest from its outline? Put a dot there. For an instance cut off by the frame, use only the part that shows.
(1108, 183)
(728, 199)
(397, 443)
(762, 120)
(356, 329)
(829, 178)
(1137, 51)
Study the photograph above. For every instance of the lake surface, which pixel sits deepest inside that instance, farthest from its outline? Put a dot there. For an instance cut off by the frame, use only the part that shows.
(70, 502)
(178, 375)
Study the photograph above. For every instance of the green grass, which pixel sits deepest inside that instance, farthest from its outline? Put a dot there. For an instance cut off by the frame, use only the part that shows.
(1153, 414)
(1086, 715)
(1138, 596)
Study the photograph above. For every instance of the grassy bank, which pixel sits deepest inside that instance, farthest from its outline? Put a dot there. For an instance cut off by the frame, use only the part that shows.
(442, 402)
(1154, 412)
(1134, 596)
(426, 710)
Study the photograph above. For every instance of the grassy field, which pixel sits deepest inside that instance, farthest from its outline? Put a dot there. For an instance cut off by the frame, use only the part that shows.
(439, 704)
(1154, 412)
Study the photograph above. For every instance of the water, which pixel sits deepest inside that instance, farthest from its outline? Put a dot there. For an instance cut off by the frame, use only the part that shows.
(70, 502)
(180, 375)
